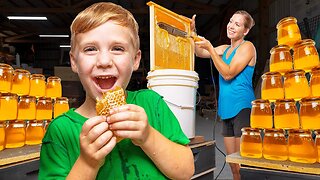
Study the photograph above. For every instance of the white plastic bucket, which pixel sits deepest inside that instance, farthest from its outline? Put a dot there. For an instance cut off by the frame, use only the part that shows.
(179, 89)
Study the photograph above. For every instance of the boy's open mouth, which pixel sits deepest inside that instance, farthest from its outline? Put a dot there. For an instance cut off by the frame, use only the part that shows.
(105, 82)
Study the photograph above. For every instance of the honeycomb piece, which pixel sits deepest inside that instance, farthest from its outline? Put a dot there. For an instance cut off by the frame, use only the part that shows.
(110, 99)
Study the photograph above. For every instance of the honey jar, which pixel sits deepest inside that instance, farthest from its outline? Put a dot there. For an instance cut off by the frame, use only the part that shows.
(286, 114)
(272, 86)
(8, 107)
(34, 132)
(310, 113)
(315, 81)
(288, 31)
(53, 88)
(37, 85)
(250, 143)
(15, 134)
(27, 108)
(296, 85)
(2, 134)
(61, 105)
(280, 59)
(317, 142)
(21, 82)
(44, 108)
(275, 145)
(6, 75)
(302, 148)
(261, 114)
(305, 55)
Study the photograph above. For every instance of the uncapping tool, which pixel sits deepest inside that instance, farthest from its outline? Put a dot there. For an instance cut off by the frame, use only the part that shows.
(176, 32)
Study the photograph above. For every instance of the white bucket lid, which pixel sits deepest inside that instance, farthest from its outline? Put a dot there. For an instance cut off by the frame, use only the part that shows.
(171, 82)
(173, 72)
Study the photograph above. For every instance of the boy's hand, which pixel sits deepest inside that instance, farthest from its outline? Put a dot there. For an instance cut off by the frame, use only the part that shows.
(130, 121)
(96, 141)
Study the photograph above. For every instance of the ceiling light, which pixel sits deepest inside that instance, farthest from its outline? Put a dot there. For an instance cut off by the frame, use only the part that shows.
(54, 35)
(65, 46)
(26, 18)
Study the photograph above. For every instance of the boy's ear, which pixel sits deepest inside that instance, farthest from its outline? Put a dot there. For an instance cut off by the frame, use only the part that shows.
(136, 60)
(73, 63)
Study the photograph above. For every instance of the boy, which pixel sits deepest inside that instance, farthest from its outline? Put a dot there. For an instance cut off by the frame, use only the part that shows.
(81, 145)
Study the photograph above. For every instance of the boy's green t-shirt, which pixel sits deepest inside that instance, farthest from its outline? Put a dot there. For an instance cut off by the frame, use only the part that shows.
(60, 145)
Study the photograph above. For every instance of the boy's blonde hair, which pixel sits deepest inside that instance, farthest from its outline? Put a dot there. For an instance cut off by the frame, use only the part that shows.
(98, 14)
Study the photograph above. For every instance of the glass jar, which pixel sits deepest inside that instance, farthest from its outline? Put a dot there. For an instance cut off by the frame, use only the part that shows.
(296, 85)
(6, 75)
(44, 108)
(280, 59)
(2, 134)
(53, 89)
(302, 148)
(288, 31)
(286, 114)
(261, 114)
(317, 142)
(315, 81)
(37, 85)
(15, 134)
(275, 145)
(27, 108)
(272, 86)
(310, 113)
(61, 105)
(21, 82)
(34, 132)
(305, 55)
(250, 143)
(9, 106)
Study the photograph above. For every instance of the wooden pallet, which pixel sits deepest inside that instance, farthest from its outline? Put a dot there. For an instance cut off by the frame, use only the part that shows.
(16, 155)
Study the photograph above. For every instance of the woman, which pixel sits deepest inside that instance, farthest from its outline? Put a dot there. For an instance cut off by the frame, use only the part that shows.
(235, 63)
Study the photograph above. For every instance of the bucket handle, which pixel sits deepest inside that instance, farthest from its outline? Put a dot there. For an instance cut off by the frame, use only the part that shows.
(179, 106)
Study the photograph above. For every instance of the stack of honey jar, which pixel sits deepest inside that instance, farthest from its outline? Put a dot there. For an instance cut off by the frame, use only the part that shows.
(28, 102)
(285, 122)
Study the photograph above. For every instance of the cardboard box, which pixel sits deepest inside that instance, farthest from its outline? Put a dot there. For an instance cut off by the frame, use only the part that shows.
(65, 73)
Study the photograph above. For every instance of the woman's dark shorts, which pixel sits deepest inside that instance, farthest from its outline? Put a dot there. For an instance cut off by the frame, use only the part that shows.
(232, 127)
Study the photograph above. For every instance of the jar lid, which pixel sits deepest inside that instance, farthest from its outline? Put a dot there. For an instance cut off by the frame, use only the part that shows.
(286, 20)
(273, 130)
(274, 73)
(285, 100)
(244, 129)
(304, 42)
(310, 99)
(37, 76)
(258, 101)
(54, 78)
(5, 66)
(61, 99)
(300, 131)
(280, 47)
(8, 95)
(294, 72)
(315, 69)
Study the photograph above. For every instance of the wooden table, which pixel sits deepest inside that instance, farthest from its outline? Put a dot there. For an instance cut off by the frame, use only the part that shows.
(20, 163)
(252, 168)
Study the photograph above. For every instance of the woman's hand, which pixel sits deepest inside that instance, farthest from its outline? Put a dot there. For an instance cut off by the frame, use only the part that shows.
(130, 121)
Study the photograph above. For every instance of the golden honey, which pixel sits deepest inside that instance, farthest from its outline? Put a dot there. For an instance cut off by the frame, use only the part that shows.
(315, 81)
(9, 106)
(305, 55)
(280, 59)
(302, 148)
(37, 85)
(21, 82)
(272, 86)
(44, 108)
(250, 143)
(310, 113)
(261, 114)
(53, 88)
(317, 142)
(15, 134)
(6, 75)
(2, 134)
(34, 132)
(275, 145)
(61, 105)
(27, 108)
(286, 114)
(296, 85)
(288, 31)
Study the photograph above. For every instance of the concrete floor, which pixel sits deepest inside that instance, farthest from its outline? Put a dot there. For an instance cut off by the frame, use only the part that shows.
(210, 127)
